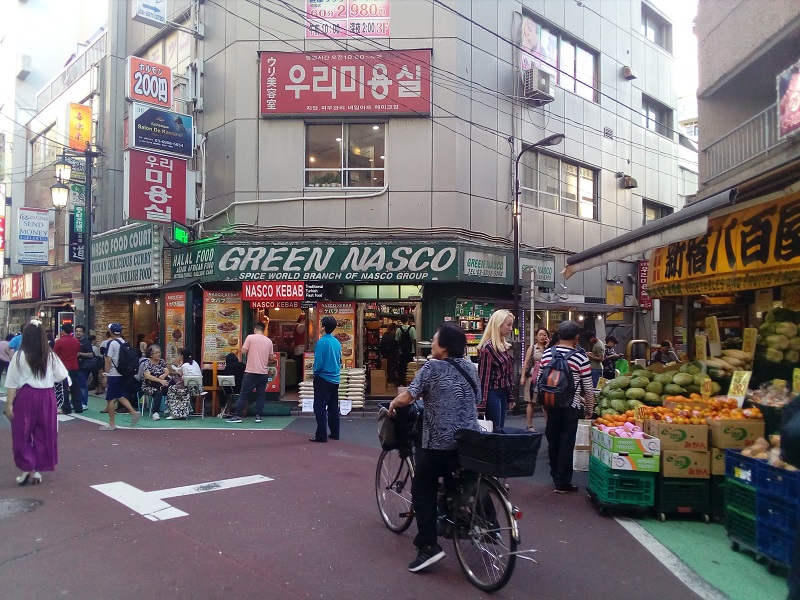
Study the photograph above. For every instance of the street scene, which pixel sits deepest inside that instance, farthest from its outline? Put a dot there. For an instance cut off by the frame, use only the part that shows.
(335, 298)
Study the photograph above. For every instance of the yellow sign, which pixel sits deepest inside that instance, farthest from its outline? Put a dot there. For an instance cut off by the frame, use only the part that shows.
(700, 347)
(712, 331)
(705, 387)
(80, 126)
(615, 295)
(749, 249)
(796, 381)
(749, 341)
(738, 388)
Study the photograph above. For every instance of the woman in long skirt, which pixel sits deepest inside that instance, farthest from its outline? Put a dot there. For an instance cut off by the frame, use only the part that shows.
(31, 405)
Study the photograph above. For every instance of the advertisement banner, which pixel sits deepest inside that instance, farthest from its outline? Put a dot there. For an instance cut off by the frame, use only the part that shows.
(334, 84)
(26, 287)
(155, 188)
(174, 323)
(349, 18)
(76, 238)
(754, 248)
(62, 282)
(162, 131)
(79, 122)
(34, 236)
(345, 315)
(5, 289)
(148, 82)
(77, 195)
(127, 257)
(273, 290)
(78, 175)
(645, 301)
(789, 101)
(222, 325)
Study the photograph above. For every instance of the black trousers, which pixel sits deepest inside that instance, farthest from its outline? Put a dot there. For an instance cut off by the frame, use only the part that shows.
(73, 397)
(561, 429)
(430, 466)
(326, 408)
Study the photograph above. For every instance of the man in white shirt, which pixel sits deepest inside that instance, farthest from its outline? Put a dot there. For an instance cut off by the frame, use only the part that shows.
(115, 387)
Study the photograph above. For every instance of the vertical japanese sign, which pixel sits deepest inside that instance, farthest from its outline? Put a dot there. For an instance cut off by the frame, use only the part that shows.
(788, 84)
(148, 82)
(645, 301)
(345, 315)
(76, 236)
(155, 188)
(175, 324)
(714, 341)
(222, 325)
(34, 236)
(347, 18)
(80, 126)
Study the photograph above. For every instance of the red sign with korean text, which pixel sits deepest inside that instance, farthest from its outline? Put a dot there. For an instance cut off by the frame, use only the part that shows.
(156, 188)
(148, 82)
(393, 82)
(645, 301)
(273, 290)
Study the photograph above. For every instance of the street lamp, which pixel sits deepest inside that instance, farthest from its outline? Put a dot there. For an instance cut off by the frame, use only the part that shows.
(59, 193)
(550, 140)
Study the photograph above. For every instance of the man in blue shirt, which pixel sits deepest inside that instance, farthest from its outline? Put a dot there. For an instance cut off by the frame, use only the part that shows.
(15, 342)
(327, 367)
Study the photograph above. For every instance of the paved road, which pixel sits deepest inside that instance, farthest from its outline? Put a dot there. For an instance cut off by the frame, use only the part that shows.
(312, 531)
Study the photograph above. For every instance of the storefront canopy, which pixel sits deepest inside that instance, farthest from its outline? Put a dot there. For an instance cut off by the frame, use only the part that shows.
(688, 222)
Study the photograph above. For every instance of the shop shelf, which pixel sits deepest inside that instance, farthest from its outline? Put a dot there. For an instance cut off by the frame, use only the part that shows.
(718, 497)
(676, 495)
(742, 468)
(776, 544)
(779, 482)
(631, 488)
(776, 512)
(741, 527)
(740, 497)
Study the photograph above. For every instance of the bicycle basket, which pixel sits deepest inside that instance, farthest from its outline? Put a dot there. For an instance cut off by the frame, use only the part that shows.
(498, 454)
(400, 431)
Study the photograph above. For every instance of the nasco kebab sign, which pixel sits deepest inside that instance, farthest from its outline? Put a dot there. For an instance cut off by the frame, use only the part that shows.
(319, 262)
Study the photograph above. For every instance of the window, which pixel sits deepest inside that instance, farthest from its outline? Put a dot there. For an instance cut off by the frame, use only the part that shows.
(656, 117)
(571, 65)
(345, 155)
(690, 127)
(656, 29)
(43, 149)
(653, 211)
(555, 184)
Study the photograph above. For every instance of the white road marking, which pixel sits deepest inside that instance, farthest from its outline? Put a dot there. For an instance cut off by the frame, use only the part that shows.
(151, 505)
(679, 568)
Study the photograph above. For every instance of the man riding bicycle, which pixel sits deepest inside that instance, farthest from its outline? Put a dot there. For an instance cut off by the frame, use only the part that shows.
(450, 389)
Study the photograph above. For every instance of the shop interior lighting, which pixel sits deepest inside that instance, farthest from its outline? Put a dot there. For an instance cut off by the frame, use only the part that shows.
(137, 300)
(338, 139)
(311, 159)
(580, 318)
(382, 157)
(376, 127)
(147, 301)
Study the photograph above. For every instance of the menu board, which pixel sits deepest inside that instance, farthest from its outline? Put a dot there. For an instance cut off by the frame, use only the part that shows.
(274, 384)
(175, 324)
(345, 315)
(308, 366)
(222, 325)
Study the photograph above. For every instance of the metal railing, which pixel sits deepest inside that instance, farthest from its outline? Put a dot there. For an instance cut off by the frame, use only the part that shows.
(754, 137)
(72, 72)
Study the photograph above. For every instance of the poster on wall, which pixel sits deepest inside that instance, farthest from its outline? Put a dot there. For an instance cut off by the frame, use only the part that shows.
(33, 233)
(175, 324)
(345, 315)
(222, 325)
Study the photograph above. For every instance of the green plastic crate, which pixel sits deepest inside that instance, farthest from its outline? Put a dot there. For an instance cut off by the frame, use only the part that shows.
(740, 497)
(633, 488)
(676, 495)
(741, 527)
(718, 497)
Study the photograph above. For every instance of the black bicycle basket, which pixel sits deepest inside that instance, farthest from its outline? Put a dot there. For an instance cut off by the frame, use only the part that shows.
(498, 454)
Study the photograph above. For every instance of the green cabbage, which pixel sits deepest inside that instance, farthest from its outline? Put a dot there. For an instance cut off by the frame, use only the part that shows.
(619, 406)
(779, 342)
(634, 394)
(639, 382)
(787, 329)
(655, 387)
(774, 355)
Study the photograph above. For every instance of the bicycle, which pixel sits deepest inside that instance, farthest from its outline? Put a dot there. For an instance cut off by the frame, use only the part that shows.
(476, 511)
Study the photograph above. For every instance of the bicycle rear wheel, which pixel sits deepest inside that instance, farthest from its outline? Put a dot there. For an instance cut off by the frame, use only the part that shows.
(393, 489)
(486, 535)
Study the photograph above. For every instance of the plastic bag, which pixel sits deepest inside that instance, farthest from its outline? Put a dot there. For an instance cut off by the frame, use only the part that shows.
(622, 366)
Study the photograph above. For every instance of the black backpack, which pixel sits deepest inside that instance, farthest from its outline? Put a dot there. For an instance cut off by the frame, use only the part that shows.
(556, 382)
(406, 343)
(127, 363)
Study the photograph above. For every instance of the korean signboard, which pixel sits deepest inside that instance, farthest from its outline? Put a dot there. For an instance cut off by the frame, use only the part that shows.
(749, 249)
(161, 131)
(155, 188)
(127, 257)
(645, 301)
(789, 100)
(331, 84)
(148, 82)
(76, 236)
(33, 232)
(80, 126)
(347, 18)
(150, 12)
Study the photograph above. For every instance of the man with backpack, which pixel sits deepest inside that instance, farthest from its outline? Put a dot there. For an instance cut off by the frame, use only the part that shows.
(565, 387)
(406, 338)
(121, 364)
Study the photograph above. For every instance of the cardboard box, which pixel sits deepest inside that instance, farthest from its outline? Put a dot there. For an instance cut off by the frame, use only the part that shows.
(584, 433)
(717, 461)
(624, 461)
(648, 445)
(377, 381)
(580, 460)
(736, 433)
(659, 368)
(679, 437)
(686, 464)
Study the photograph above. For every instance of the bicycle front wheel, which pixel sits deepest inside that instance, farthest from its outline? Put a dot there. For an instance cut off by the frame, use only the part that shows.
(393, 489)
(486, 535)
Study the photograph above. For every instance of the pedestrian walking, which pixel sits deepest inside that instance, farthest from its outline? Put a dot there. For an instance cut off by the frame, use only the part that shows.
(390, 350)
(67, 347)
(406, 338)
(327, 369)
(31, 405)
(562, 423)
(596, 354)
(86, 364)
(530, 370)
(258, 348)
(6, 353)
(115, 382)
(496, 367)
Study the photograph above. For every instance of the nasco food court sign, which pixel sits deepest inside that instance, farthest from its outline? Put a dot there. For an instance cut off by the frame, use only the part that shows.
(318, 262)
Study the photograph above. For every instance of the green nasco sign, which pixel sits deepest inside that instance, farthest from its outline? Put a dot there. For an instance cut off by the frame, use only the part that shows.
(127, 257)
(412, 263)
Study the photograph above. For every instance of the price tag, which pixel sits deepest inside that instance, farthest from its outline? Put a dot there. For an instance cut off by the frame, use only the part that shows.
(738, 388)
(345, 406)
(705, 388)
(308, 405)
(779, 384)
(700, 342)
(749, 340)
(712, 331)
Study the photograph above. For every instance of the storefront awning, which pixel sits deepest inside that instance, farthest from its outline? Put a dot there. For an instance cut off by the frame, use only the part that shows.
(688, 222)
(582, 307)
(179, 284)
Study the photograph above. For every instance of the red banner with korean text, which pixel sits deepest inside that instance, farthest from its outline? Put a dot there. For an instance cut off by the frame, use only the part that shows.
(392, 82)
(155, 188)
(755, 248)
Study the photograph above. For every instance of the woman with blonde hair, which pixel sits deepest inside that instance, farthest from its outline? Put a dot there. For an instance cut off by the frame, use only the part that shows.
(496, 367)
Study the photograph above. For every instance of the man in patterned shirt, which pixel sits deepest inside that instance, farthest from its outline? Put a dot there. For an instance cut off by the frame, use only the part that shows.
(562, 423)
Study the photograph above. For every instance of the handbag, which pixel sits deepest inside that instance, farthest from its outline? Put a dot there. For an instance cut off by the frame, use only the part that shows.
(90, 364)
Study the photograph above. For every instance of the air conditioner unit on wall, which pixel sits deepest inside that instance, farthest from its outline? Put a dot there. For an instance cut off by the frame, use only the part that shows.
(536, 86)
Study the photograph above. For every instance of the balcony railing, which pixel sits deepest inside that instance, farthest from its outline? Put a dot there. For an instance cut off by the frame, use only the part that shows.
(752, 138)
(72, 72)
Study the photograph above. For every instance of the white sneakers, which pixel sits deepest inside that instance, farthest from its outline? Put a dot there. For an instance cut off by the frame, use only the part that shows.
(156, 416)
